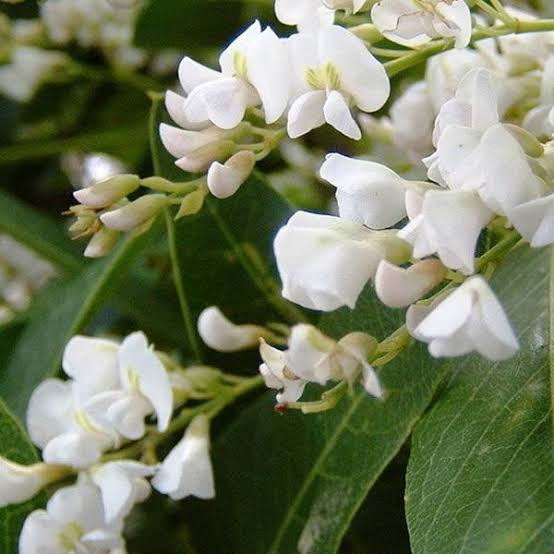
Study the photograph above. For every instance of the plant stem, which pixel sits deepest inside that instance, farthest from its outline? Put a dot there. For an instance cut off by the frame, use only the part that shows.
(211, 408)
(436, 46)
(178, 281)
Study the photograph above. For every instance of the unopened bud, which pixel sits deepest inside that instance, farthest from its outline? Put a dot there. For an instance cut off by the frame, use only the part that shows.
(224, 336)
(225, 179)
(395, 249)
(397, 287)
(136, 213)
(108, 191)
(530, 144)
(367, 32)
(20, 483)
(101, 243)
(199, 160)
(192, 203)
(86, 223)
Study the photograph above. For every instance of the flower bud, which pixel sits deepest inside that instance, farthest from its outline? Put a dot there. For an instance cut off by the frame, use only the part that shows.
(223, 335)
(397, 287)
(199, 160)
(19, 483)
(187, 469)
(102, 243)
(86, 223)
(530, 144)
(192, 203)
(108, 191)
(135, 213)
(225, 179)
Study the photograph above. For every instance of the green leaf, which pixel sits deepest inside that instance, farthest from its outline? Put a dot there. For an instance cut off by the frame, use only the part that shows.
(481, 473)
(14, 445)
(298, 480)
(39, 233)
(187, 24)
(64, 310)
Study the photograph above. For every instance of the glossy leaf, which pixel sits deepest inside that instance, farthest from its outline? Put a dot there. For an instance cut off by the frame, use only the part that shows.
(481, 473)
(298, 480)
(15, 445)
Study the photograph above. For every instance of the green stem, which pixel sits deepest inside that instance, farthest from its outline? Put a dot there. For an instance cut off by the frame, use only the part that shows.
(178, 281)
(436, 46)
(211, 408)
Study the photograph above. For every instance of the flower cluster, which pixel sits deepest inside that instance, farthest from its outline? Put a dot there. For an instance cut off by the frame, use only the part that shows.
(309, 79)
(112, 391)
(310, 357)
(482, 170)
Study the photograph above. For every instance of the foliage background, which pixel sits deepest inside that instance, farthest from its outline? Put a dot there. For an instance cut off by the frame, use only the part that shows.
(479, 464)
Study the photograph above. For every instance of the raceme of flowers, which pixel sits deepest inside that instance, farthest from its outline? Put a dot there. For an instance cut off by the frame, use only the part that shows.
(478, 128)
(112, 392)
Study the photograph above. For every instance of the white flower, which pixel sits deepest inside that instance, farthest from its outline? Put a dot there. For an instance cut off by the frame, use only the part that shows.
(445, 71)
(333, 70)
(92, 364)
(312, 357)
(72, 522)
(107, 191)
(449, 224)
(397, 287)
(19, 483)
(223, 335)
(144, 389)
(350, 6)
(135, 213)
(29, 67)
(278, 376)
(535, 220)
(307, 15)
(540, 120)
(325, 261)
(471, 318)
(412, 118)
(225, 179)
(413, 23)
(187, 469)
(122, 484)
(316, 358)
(459, 127)
(368, 192)
(508, 177)
(196, 150)
(59, 424)
(254, 69)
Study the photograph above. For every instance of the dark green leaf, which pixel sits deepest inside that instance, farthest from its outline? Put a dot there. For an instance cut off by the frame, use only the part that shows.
(39, 233)
(14, 445)
(296, 481)
(481, 474)
(187, 24)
